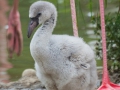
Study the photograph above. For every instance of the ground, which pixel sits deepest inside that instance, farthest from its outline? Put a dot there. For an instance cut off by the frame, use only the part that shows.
(29, 81)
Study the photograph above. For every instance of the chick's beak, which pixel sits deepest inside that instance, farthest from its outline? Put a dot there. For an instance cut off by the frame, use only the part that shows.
(32, 25)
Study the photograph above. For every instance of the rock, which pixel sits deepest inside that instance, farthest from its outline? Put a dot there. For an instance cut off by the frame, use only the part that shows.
(29, 73)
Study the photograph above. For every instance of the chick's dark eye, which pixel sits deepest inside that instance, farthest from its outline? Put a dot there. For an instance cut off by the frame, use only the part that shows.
(39, 14)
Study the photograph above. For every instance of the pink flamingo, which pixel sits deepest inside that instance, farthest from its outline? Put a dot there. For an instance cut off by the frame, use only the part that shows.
(14, 33)
(14, 37)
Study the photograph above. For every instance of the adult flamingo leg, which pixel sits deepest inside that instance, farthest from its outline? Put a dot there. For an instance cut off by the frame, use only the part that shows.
(73, 15)
(106, 83)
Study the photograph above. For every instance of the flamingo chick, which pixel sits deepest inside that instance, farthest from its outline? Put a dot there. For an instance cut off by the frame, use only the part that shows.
(62, 62)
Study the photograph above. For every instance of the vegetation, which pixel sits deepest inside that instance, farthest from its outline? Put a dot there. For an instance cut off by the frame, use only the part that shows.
(112, 21)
